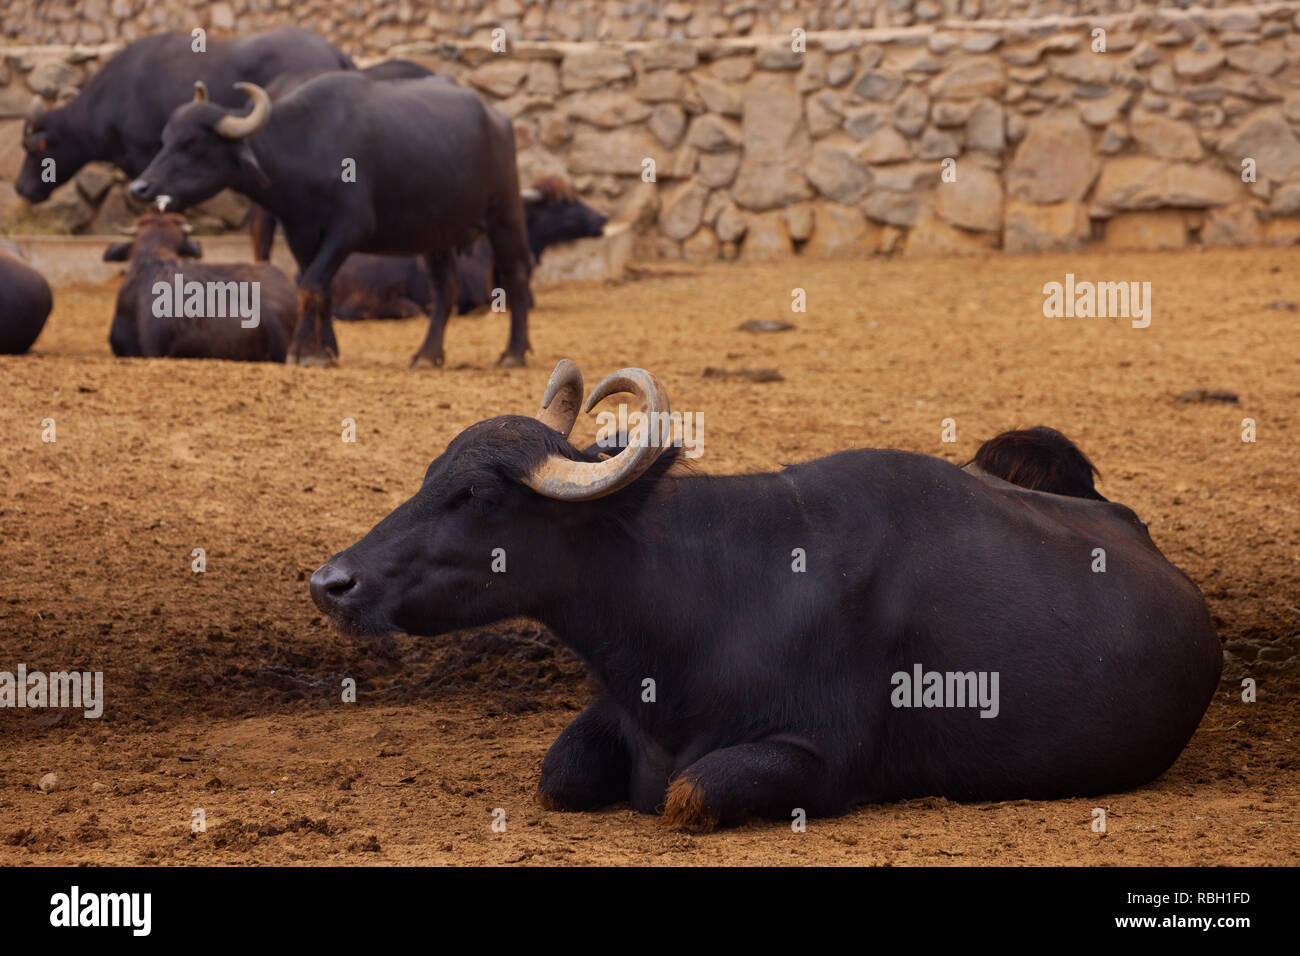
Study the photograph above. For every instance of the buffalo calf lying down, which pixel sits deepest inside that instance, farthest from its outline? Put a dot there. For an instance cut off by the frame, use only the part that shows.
(866, 627)
(388, 287)
(172, 306)
(25, 301)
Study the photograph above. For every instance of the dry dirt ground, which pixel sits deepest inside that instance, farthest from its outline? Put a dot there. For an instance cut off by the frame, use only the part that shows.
(223, 688)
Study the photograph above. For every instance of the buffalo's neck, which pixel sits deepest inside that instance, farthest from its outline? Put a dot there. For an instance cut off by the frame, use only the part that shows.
(663, 596)
(83, 125)
(279, 150)
(271, 195)
(97, 116)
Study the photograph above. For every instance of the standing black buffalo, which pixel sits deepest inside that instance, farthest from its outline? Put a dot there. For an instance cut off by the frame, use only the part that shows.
(936, 633)
(348, 165)
(120, 113)
(25, 301)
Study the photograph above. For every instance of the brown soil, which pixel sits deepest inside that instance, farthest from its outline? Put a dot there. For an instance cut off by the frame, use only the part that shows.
(223, 687)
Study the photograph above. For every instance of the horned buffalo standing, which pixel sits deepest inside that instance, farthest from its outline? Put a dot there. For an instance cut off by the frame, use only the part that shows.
(120, 113)
(434, 169)
(776, 681)
(25, 301)
(162, 265)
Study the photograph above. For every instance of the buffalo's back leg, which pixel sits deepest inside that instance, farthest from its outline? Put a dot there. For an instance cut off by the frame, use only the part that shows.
(313, 340)
(512, 265)
(588, 765)
(442, 296)
(418, 291)
(767, 778)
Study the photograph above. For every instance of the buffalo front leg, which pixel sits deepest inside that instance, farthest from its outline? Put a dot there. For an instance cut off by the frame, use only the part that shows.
(313, 340)
(587, 766)
(442, 296)
(768, 778)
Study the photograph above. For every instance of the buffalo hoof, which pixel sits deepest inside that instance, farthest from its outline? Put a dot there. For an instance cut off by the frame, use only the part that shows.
(686, 807)
(507, 360)
(313, 360)
(419, 360)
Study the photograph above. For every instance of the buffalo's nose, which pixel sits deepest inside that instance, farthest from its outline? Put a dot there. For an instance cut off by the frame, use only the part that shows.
(329, 585)
(139, 189)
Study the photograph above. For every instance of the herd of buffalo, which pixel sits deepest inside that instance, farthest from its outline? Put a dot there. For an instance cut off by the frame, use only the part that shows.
(396, 189)
(865, 627)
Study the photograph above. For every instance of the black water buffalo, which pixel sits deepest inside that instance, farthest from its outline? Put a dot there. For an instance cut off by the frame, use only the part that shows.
(120, 113)
(556, 215)
(384, 287)
(25, 301)
(349, 165)
(866, 627)
(174, 307)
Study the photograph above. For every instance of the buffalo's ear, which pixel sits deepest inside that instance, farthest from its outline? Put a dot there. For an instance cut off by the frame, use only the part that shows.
(248, 161)
(191, 248)
(118, 252)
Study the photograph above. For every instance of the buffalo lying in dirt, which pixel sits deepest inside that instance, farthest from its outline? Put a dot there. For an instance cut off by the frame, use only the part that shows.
(866, 627)
(25, 301)
(171, 306)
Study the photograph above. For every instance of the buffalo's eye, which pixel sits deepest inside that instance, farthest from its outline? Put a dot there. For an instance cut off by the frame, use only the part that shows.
(460, 499)
(479, 498)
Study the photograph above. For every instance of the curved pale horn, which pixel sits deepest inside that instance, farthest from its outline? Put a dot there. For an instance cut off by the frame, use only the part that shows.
(200, 91)
(241, 127)
(530, 195)
(129, 230)
(567, 480)
(563, 398)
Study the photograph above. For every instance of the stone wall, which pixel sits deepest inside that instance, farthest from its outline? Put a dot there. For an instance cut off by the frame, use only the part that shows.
(848, 148)
(371, 27)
